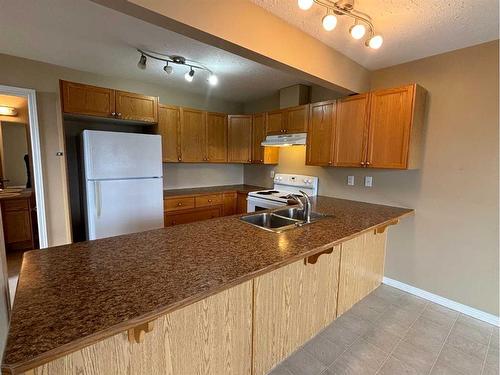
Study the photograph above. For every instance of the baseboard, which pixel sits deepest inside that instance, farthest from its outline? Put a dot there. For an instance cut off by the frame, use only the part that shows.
(464, 309)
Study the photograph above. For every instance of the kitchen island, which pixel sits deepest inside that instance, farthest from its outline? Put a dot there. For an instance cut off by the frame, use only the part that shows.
(214, 297)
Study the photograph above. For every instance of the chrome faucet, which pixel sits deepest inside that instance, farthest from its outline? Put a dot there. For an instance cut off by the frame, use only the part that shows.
(305, 207)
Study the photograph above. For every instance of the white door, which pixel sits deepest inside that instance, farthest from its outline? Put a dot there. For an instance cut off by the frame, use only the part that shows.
(114, 155)
(123, 206)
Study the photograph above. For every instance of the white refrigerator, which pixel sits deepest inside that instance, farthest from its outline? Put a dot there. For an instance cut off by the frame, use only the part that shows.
(123, 183)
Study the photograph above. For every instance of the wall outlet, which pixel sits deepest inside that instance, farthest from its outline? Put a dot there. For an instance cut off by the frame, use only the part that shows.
(271, 174)
(350, 180)
(368, 181)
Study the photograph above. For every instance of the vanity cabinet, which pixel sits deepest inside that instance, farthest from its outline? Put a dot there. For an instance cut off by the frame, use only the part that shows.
(239, 139)
(320, 133)
(17, 223)
(261, 154)
(288, 120)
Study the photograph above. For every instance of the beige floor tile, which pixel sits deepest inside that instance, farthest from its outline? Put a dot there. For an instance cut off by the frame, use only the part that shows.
(478, 334)
(353, 323)
(303, 363)
(440, 315)
(382, 339)
(404, 316)
(467, 346)
(492, 359)
(339, 335)
(420, 359)
(324, 350)
(490, 371)
(366, 312)
(280, 370)
(412, 303)
(361, 358)
(394, 366)
(375, 303)
(442, 369)
(460, 361)
(427, 335)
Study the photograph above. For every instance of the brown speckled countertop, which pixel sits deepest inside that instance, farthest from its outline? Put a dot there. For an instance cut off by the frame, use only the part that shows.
(74, 295)
(212, 189)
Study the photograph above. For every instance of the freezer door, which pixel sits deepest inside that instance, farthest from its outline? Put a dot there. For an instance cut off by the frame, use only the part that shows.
(114, 155)
(123, 206)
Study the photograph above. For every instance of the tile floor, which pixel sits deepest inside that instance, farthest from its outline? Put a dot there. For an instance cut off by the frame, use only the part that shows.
(394, 333)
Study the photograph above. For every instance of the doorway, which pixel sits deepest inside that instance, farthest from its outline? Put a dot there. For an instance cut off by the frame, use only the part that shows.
(21, 184)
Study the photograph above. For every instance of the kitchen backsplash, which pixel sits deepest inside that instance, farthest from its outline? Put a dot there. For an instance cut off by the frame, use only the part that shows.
(187, 175)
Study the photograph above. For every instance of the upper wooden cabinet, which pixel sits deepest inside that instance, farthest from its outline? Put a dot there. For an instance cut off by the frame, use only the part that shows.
(216, 144)
(130, 106)
(320, 133)
(169, 129)
(261, 154)
(239, 139)
(193, 135)
(80, 99)
(288, 120)
(351, 131)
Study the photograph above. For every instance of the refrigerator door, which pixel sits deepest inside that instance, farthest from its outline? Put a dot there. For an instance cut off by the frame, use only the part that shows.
(114, 155)
(123, 206)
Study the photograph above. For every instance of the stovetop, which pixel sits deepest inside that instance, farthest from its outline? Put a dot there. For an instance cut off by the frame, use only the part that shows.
(286, 184)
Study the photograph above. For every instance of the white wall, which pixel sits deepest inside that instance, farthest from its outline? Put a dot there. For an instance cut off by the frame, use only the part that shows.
(188, 175)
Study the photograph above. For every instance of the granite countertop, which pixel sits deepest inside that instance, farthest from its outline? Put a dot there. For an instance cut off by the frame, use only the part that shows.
(212, 189)
(71, 296)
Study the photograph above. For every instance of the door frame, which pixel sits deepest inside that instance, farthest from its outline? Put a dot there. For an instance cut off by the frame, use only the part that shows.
(36, 161)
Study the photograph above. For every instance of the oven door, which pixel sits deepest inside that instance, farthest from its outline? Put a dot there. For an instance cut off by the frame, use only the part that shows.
(258, 204)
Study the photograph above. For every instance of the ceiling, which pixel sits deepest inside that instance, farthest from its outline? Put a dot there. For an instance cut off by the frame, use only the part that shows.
(86, 36)
(412, 29)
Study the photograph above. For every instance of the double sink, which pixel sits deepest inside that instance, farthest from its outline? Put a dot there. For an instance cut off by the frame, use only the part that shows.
(281, 219)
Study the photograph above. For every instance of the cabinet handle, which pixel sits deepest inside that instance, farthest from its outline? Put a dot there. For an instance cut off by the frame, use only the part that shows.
(330, 163)
(179, 158)
(209, 201)
(367, 163)
(119, 114)
(262, 161)
(113, 113)
(363, 163)
(179, 204)
(173, 222)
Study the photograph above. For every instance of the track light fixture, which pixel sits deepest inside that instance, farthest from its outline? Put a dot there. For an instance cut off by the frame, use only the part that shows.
(178, 60)
(362, 21)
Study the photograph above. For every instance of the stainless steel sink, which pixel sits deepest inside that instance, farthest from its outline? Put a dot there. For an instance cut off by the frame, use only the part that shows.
(297, 214)
(280, 220)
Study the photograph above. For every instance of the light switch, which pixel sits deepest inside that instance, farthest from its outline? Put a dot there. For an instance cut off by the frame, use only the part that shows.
(350, 180)
(368, 181)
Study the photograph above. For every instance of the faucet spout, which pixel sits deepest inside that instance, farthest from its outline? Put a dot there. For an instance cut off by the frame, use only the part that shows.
(306, 207)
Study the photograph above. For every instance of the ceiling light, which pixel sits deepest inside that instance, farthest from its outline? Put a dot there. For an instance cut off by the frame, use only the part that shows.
(213, 80)
(357, 31)
(329, 22)
(375, 41)
(7, 111)
(305, 4)
(142, 62)
(168, 69)
(189, 75)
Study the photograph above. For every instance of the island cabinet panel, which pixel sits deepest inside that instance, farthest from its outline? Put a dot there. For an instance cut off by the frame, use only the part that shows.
(240, 139)
(136, 107)
(361, 268)
(320, 134)
(351, 131)
(212, 336)
(193, 135)
(216, 147)
(261, 154)
(87, 100)
(169, 129)
(291, 305)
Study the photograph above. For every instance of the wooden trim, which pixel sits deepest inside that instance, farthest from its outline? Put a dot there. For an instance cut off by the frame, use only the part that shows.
(382, 228)
(314, 258)
(137, 334)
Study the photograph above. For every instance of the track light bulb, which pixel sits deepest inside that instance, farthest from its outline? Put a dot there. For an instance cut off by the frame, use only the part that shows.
(305, 4)
(213, 80)
(329, 22)
(168, 69)
(189, 75)
(142, 62)
(375, 41)
(357, 31)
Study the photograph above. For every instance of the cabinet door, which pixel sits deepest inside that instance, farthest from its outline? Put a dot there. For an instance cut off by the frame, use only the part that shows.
(241, 204)
(390, 126)
(229, 200)
(193, 135)
(240, 139)
(291, 305)
(351, 131)
(361, 268)
(297, 119)
(275, 122)
(137, 107)
(320, 133)
(17, 226)
(261, 154)
(169, 128)
(216, 148)
(87, 100)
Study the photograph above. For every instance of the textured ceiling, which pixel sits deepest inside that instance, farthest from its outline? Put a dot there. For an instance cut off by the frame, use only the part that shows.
(85, 36)
(412, 29)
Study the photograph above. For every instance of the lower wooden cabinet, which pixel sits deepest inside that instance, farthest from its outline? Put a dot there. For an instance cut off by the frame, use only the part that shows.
(191, 216)
(229, 203)
(241, 204)
(291, 305)
(17, 224)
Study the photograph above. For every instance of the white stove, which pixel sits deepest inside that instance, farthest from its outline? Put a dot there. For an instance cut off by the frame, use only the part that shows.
(284, 184)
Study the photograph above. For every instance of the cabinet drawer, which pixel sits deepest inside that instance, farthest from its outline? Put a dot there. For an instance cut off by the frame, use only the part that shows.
(15, 205)
(208, 200)
(191, 216)
(175, 204)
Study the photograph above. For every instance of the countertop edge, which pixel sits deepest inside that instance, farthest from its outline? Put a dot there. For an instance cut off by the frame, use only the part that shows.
(61, 351)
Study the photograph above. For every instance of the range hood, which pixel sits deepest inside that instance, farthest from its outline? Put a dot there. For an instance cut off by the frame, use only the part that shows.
(284, 140)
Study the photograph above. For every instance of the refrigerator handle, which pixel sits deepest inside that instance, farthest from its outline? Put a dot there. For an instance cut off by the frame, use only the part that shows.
(97, 198)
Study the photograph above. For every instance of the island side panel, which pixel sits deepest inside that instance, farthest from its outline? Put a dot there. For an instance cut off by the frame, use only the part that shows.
(212, 336)
(291, 305)
(361, 268)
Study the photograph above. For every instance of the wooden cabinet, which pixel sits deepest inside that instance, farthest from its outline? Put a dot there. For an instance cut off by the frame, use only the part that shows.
(80, 99)
(87, 100)
(184, 217)
(275, 122)
(239, 138)
(291, 305)
(320, 133)
(193, 135)
(396, 117)
(216, 138)
(241, 203)
(17, 224)
(288, 120)
(178, 203)
(261, 154)
(229, 203)
(361, 268)
(169, 129)
(351, 132)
